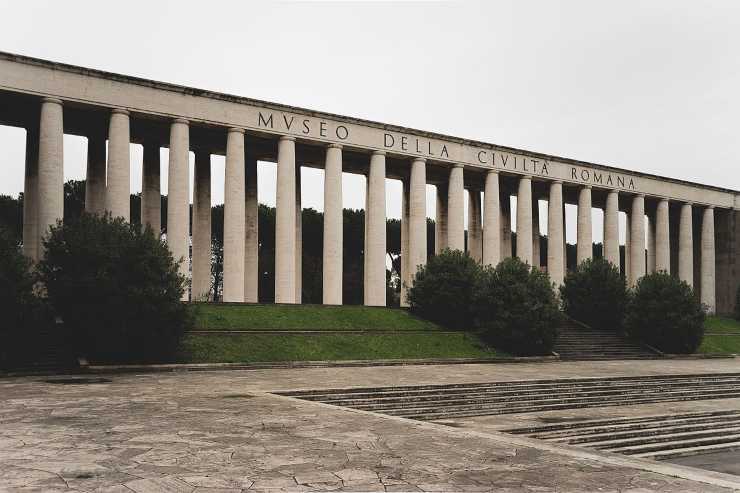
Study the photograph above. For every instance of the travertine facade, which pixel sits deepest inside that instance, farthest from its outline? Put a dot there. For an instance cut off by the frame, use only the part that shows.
(50, 99)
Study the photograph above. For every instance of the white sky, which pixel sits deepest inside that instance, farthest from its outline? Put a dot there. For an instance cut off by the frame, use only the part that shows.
(647, 86)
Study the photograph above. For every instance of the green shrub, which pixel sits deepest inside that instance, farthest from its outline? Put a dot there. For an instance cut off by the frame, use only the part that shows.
(443, 289)
(665, 313)
(595, 294)
(22, 312)
(117, 289)
(517, 308)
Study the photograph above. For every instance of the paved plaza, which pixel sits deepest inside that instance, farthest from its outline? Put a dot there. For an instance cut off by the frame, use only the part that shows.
(225, 431)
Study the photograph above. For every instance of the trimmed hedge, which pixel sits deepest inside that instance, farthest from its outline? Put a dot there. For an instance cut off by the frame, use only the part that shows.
(442, 290)
(517, 308)
(666, 313)
(117, 288)
(595, 294)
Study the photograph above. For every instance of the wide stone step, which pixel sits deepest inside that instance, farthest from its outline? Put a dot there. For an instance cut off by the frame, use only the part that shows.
(675, 444)
(616, 428)
(421, 408)
(491, 411)
(689, 450)
(668, 436)
(657, 437)
(545, 384)
(378, 402)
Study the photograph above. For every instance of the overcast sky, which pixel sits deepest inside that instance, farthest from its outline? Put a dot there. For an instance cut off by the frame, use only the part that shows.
(648, 86)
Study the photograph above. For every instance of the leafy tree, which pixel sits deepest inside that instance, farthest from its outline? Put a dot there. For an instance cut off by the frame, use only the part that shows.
(117, 288)
(517, 308)
(595, 294)
(666, 313)
(23, 313)
(11, 216)
(443, 289)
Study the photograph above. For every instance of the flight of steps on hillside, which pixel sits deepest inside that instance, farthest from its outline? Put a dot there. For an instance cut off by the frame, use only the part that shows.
(578, 343)
(439, 402)
(653, 437)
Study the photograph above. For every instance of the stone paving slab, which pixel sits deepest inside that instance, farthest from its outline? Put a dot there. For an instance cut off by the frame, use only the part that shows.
(218, 431)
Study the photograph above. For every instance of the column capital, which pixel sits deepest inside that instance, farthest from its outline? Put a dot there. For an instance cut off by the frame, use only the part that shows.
(690, 204)
(119, 111)
(492, 171)
(236, 130)
(587, 187)
(556, 182)
(180, 120)
(710, 207)
(458, 165)
(640, 195)
(46, 99)
(419, 159)
(288, 138)
(525, 177)
(378, 153)
(334, 146)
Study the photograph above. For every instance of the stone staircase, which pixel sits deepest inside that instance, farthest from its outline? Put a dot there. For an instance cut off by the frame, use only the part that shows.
(653, 437)
(438, 402)
(579, 343)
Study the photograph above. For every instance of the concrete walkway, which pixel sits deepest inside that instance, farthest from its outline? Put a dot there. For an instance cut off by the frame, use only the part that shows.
(221, 431)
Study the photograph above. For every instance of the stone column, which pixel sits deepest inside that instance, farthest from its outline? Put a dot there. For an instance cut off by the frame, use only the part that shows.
(491, 221)
(475, 233)
(555, 234)
(417, 217)
(333, 226)
(662, 238)
(178, 184)
(650, 234)
(611, 228)
(707, 286)
(201, 285)
(118, 188)
(50, 169)
(440, 222)
(375, 246)
(31, 195)
(627, 248)
(405, 260)
(456, 211)
(506, 250)
(536, 233)
(637, 239)
(251, 231)
(95, 187)
(584, 245)
(298, 237)
(151, 196)
(285, 225)
(234, 204)
(524, 220)
(686, 246)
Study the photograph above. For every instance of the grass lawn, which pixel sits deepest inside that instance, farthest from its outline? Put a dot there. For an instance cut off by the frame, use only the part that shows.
(306, 317)
(722, 324)
(242, 348)
(723, 343)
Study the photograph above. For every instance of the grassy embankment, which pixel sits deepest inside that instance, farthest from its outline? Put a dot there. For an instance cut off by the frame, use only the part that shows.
(722, 335)
(385, 334)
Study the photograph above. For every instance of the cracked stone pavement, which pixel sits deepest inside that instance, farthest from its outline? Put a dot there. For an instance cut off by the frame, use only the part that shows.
(220, 432)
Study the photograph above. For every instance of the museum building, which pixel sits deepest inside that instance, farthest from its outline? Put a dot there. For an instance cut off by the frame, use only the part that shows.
(687, 229)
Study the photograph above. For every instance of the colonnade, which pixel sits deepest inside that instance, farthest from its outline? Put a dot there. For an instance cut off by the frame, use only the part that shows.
(489, 217)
